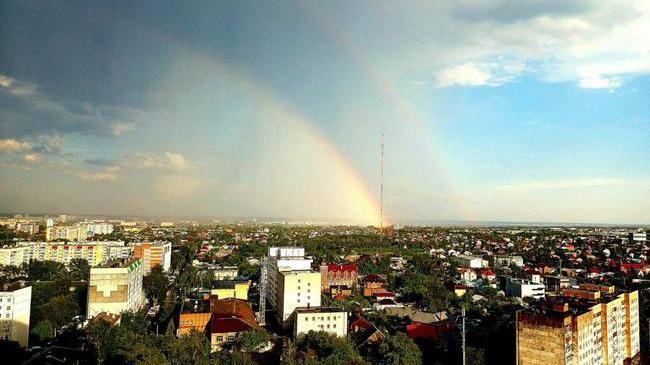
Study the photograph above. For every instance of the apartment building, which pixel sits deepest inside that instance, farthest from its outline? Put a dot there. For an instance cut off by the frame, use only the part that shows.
(15, 255)
(297, 289)
(15, 303)
(77, 232)
(154, 253)
(506, 261)
(285, 259)
(115, 288)
(331, 320)
(572, 331)
(95, 252)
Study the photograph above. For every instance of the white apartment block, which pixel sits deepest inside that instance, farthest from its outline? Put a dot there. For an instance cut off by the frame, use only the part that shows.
(296, 289)
(77, 232)
(285, 259)
(116, 289)
(505, 261)
(96, 253)
(15, 303)
(15, 255)
(331, 320)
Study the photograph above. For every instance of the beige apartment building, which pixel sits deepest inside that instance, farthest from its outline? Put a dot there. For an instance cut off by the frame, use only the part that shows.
(15, 303)
(116, 288)
(570, 331)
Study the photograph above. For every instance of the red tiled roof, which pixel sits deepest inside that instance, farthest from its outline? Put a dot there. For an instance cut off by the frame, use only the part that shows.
(374, 278)
(360, 322)
(335, 267)
(229, 325)
(384, 294)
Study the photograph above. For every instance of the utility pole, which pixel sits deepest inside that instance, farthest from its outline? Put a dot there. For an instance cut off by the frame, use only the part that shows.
(381, 195)
(462, 313)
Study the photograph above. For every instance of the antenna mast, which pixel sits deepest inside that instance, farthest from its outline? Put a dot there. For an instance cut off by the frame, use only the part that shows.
(381, 195)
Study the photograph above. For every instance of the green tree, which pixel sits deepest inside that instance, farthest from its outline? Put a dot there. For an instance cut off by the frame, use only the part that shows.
(60, 309)
(45, 270)
(250, 340)
(193, 348)
(398, 349)
(155, 284)
(43, 330)
(79, 269)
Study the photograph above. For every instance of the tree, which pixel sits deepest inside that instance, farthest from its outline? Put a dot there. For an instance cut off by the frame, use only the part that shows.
(190, 349)
(399, 349)
(60, 309)
(43, 330)
(45, 270)
(155, 284)
(12, 352)
(251, 340)
(79, 269)
(330, 349)
(143, 352)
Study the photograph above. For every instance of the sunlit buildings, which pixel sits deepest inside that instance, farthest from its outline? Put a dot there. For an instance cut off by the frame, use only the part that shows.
(154, 253)
(331, 320)
(116, 288)
(297, 289)
(580, 332)
(77, 232)
(15, 302)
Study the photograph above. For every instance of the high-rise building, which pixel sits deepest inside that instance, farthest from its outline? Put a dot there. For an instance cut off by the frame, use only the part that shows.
(116, 288)
(15, 303)
(286, 259)
(296, 289)
(154, 253)
(15, 255)
(578, 331)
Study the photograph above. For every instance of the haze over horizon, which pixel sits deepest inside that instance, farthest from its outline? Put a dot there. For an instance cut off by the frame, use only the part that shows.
(491, 110)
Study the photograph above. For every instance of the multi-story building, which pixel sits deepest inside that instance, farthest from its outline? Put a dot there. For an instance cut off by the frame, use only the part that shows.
(522, 288)
(296, 289)
(95, 252)
(154, 253)
(15, 255)
(570, 331)
(331, 320)
(286, 259)
(338, 276)
(27, 227)
(116, 288)
(15, 304)
(77, 232)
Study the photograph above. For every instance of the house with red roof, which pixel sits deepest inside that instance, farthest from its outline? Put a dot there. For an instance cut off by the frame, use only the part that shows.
(338, 275)
(230, 317)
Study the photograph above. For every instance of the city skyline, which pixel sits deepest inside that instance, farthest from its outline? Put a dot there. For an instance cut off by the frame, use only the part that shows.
(490, 111)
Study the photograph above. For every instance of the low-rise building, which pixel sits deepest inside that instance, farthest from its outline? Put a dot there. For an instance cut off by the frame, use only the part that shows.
(230, 317)
(338, 275)
(474, 262)
(331, 320)
(522, 288)
(224, 289)
(15, 305)
(195, 315)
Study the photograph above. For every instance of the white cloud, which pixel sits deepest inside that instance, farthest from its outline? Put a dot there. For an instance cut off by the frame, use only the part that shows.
(108, 174)
(167, 161)
(562, 184)
(464, 75)
(599, 82)
(32, 157)
(12, 145)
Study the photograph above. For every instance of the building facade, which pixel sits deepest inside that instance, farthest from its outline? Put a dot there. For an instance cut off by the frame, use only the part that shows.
(297, 289)
(338, 275)
(154, 253)
(580, 332)
(330, 320)
(116, 289)
(15, 304)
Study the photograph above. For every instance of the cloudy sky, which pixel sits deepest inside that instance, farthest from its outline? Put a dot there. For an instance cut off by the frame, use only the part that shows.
(490, 109)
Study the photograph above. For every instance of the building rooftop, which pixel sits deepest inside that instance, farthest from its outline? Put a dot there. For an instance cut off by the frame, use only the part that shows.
(319, 310)
(16, 285)
(196, 305)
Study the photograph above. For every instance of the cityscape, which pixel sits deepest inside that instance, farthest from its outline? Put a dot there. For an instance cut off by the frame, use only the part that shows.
(325, 183)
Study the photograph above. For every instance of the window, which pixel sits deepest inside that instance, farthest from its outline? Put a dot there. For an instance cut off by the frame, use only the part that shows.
(231, 338)
(334, 325)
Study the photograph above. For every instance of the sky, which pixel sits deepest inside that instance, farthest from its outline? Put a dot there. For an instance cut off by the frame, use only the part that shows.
(491, 110)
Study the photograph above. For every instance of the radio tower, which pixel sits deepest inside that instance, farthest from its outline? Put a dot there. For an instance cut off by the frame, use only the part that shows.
(381, 195)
